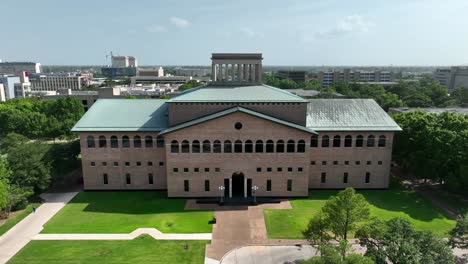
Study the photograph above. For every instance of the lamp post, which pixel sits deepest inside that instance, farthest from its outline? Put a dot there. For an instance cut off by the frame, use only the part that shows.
(221, 193)
(254, 189)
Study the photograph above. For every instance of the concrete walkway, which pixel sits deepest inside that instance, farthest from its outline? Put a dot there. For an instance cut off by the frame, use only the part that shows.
(18, 236)
(269, 254)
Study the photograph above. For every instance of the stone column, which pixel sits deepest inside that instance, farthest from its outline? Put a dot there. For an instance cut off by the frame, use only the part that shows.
(230, 187)
(250, 72)
(260, 73)
(244, 69)
(241, 74)
(245, 187)
(233, 71)
(213, 72)
(257, 78)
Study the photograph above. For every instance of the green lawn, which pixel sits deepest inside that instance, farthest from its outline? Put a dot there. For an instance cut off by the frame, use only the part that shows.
(12, 221)
(143, 249)
(385, 204)
(123, 212)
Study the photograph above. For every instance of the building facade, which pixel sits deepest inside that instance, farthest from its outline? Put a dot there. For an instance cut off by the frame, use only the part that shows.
(297, 76)
(226, 137)
(330, 77)
(453, 77)
(18, 67)
(54, 82)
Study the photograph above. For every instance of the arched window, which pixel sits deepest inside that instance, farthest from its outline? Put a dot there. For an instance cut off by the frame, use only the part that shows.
(291, 148)
(238, 146)
(114, 142)
(137, 142)
(348, 141)
(382, 141)
(185, 146)
(195, 146)
(259, 146)
(102, 142)
(280, 146)
(125, 142)
(270, 146)
(248, 146)
(206, 146)
(217, 146)
(148, 142)
(314, 141)
(336, 141)
(174, 146)
(370, 141)
(325, 141)
(159, 142)
(301, 146)
(359, 141)
(227, 146)
(90, 141)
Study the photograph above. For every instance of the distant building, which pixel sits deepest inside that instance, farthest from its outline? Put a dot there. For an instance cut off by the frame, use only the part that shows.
(432, 110)
(54, 82)
(2, 93)
(158, 72)
(297, 76)
(192, 71)
(18, 67)
(111, 72)
(453, 77)
(330, 77)
(170, 80)
(8, 83)
(124, 62)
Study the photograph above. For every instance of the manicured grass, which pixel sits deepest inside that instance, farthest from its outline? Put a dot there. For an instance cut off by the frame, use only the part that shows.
(384, 204)
(13, 220)
(143, 249)
(123, 212)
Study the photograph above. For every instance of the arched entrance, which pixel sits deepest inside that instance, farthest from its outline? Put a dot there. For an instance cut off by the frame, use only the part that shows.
(238, 184)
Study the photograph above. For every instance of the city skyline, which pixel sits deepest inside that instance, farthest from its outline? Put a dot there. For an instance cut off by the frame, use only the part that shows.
(362, 33)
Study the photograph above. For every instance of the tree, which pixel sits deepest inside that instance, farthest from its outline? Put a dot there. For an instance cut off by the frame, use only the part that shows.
(459, 234)
(317, 230)
(4, 176)
(188, 85)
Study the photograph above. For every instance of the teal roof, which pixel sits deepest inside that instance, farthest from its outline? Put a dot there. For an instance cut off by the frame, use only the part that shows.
(232, 110)
(124, 115)
(348, 115)
(253, 93)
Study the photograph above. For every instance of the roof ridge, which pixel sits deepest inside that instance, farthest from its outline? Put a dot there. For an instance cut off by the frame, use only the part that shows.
(282, 91)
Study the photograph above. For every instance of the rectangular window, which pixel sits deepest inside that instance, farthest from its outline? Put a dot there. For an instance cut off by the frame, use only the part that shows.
(357, 162)
(104, 164)
(185, 169)
(300, 169)
(259, 169)
(93, 163)
(380, 162)
(312, 162)
(346, 162)
(150, 164)
(369, 162)
(150, 178)
(127, 164)
(345, 177)
(324, 162)
(289, 185)
(196, 169)
(269, 169)
(323, 179)
(161, 164)
(289, 169)
(207, 185)
(175, 169)
(279, 169)
(116, 164)
(105, 178)
(138, 163)
(367, 177)
(128, 178)
(268, 187)
(207, 169)
(217, 169)
(186, 186)
(335, 162)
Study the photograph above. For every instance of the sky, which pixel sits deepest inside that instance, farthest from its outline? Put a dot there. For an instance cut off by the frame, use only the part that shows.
(186, 32)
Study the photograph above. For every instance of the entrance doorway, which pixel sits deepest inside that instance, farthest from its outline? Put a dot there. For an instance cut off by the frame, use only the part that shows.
(238, 184)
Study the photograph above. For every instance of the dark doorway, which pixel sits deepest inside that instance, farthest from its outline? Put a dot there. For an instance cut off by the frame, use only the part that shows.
(238, 184)
(249, 187)
(226, 187)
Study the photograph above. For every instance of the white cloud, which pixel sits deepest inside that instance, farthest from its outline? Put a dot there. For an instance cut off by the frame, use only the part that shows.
(347, 25)
(156, 29)
(179, 22)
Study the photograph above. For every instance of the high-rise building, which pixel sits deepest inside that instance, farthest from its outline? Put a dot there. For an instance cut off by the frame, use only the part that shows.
(297, 76)
(453, 77)
(18, 67)
(124, 61)
(330, 77)
(53, 82)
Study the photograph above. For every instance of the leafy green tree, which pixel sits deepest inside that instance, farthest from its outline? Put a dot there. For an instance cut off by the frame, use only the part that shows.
(460, 96)
(4, 176)
(459, 234)
(188, 85)
(317, 229)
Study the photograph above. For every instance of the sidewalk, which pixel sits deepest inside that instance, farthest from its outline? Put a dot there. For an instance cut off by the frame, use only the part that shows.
(17, 237)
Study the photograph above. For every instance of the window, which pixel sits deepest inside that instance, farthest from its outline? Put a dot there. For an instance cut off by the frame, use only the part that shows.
(159, 142)
(279, 169)
(268, 185)
(161, 164)
(359, 141)
(314, 141)
(150, 178)
(175, 169)
(323, 178)
(300, 169)
(325, 141)
(290, 148)
(289, 169)
(335, 162)
(238, 125)
(346, 162)
(269, 169)
(138, 163)
(185, 169)
(289, 188)
(357, 162)
(150, 164)
(125, 142)
(280, 146)
(382, 141)
(185, 146)
(102, 142)
(148, 142)
(259, 146)
(93, 163)
(128, 178)
(380, 162)
(348, 141)
(367, 177)
(127, 164)
(227, 146)
(248, 148)
(217, 169)
(174, 146)
(104, 164)
(116, 164)
(336, 141)
(259, 169)
(196, 169)
(207, 169)
(114, 142)
(324, 162)
(137, 142)
(370, 141)
(195, 146)
(207, 185)
(186, 186)
(238, 146)
(369, 162)
(206, 146)
(312, 162)
(105, 178)
(301, 146)
(345, 177)
(90, 141)
(217, 146)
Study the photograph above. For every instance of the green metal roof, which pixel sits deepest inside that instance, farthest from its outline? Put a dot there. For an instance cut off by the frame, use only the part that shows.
(124, 115)
(232, 110)
(253, 93)
(348, 115)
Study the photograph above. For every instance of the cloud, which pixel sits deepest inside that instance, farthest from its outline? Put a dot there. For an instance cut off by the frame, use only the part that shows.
(179, 22)
(344, 26)
(156, 29)
(250, 32)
